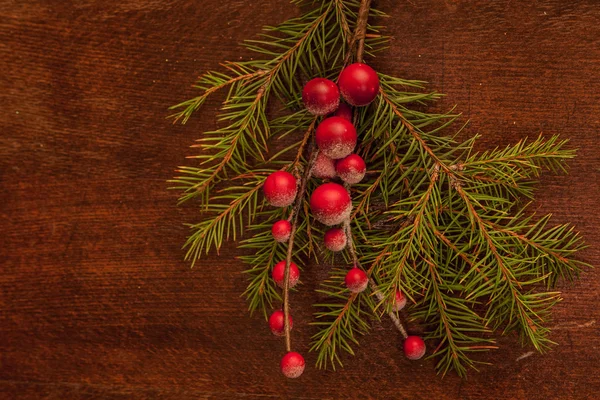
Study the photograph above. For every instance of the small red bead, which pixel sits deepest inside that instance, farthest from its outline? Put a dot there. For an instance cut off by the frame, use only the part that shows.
(280, 188)
(320, 96)
(335, 239)
(330, 204)
(324, 167)
(399, 301)
(351, 169)
(344, 111)
(281, 230)
(336, 137)
(276, 323)
(359, 84)
(356, 280)
(278, 274)
(414, 347)
(292, 365)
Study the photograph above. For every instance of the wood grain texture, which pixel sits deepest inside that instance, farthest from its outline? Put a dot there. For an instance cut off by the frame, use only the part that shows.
(95, 300)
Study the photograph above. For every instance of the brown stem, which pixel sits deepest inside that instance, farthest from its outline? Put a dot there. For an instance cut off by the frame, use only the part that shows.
(288, 260)
(361, 28)
(360, 32)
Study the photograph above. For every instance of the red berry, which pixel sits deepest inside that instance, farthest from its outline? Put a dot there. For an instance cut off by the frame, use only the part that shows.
(359, 84)
(335, 239)
(356, 280)
(344, 111)
(399, 301)
(330, 204)
(280, 188)
(292, 365)
(320, 96)
(351, 169)
(278, 274)
(336, 137)
(414, 347)
(281, 230)
(276, 323)
(324, 167)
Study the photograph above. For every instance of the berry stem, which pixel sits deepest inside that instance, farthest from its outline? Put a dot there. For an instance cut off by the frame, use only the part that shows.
(360, 33)
(374, 288)
(361, 28)
(288, 260)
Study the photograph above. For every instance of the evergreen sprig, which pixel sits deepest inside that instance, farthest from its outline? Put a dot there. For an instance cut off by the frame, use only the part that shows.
(435, 218)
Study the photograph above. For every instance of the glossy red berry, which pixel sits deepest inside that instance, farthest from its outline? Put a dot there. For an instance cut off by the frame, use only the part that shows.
(278, 274)
(344, 111)
(359, 84)
(280, 188)
(356, 280)
(281, 230)
(330, 204)
(351, 169)
(399, 301)
(335, 239)
(414, 347)
(276, 323)
(324, 167)
(320, 96)
(292, 365)
(336, 137)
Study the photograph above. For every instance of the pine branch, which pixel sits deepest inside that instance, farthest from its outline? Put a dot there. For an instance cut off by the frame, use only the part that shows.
(434, 218)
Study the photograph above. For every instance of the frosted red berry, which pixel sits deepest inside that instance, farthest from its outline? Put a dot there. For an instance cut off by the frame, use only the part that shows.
(278, 274)
(280, 188)
(276, 323)
(351, 169)
(320, 96)
(336, 137)
(344, 111)
(324, 167)
(359, 84)
(399, 301)
(292, 365)
(356, 280)
(330, 204)
(414, 347)
(335, 239)
(281, 230)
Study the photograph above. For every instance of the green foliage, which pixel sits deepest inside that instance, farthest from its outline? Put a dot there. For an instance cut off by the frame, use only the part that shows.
(435, 218)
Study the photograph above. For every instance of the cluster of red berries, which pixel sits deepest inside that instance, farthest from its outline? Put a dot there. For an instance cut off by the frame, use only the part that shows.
(330, 203)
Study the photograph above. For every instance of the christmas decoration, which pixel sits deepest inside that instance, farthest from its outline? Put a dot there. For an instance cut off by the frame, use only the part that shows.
(292, 365)
(335, 239)
(414, 347)
(277, 324)
(351, 169)
(356, 280)
(324, 167)
(359, 84)
(281, 230)
(280, 271)
(330, 204)
(321, 96)
(399, 301)
(280, 189)
(336, 137)
(344, 111)
(436, 222)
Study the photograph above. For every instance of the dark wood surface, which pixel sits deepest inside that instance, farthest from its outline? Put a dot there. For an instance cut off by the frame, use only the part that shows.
(95, 299)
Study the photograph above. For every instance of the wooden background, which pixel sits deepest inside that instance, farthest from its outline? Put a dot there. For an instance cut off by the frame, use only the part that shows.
(95, 300)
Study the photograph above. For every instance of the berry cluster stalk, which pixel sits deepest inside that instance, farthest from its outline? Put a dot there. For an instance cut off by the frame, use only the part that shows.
(290, 250)
(359, 35)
